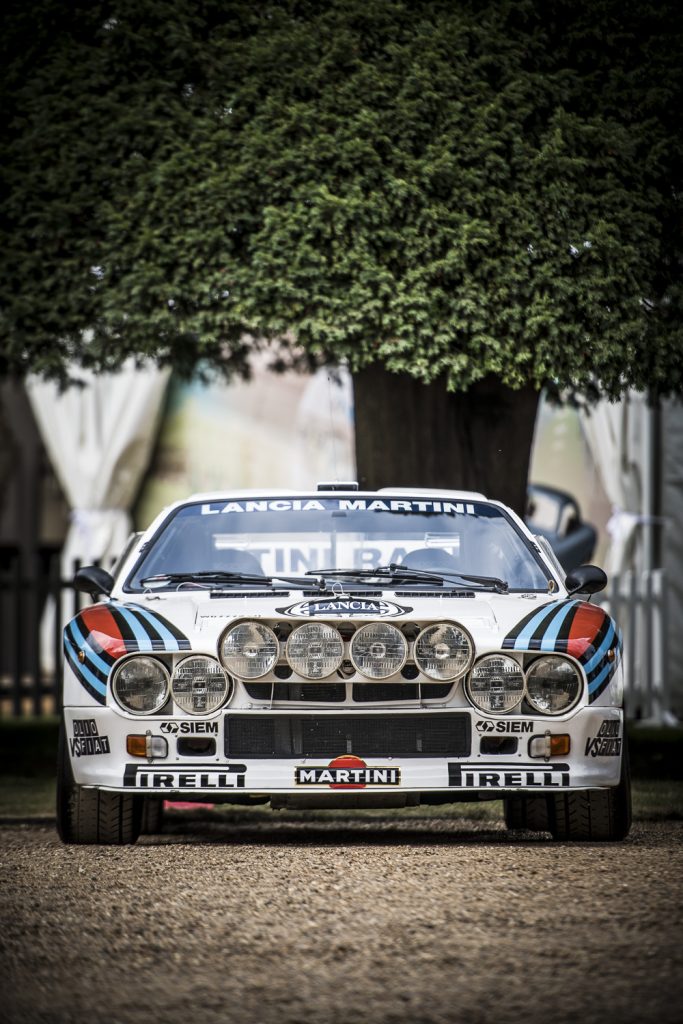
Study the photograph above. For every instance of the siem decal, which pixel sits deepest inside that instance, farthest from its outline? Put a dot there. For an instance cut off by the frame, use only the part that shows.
(87, 740)
(205, 728)
(344, 606)
(530, 776)
(99, 635)
(190, 776)
(608, 741)
(582, 630)
(509, 726)
(346, 772)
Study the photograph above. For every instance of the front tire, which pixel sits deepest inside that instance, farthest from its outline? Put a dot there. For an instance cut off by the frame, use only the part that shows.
(594, 815)
(92, 816)
(527, 812)
(152, 816)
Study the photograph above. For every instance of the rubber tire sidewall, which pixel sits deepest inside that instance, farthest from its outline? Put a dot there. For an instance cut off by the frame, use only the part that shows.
(595, 815)
(91, 816)
(65, 788)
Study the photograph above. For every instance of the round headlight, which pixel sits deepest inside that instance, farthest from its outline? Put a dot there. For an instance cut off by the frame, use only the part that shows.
(378, 650)
(553, 685)
(443, 651)
(199, 685)
(249, 650)
(315, 650)
(140, 685)
(496, 684)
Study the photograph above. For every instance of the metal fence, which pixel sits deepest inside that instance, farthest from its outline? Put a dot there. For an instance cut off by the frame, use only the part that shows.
(31, 642)
(638, 602)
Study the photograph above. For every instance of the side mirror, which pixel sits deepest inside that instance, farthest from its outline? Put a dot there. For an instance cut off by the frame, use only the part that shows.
(93, 580)
(586, 579)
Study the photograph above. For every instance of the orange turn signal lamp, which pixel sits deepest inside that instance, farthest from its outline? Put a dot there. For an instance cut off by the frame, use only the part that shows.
(146, 746)
(550, 745)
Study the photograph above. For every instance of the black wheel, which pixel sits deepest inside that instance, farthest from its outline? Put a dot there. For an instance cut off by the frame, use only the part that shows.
(594, 815)
(65, 786)
(529, 812)
(92, 816)
(152, 815)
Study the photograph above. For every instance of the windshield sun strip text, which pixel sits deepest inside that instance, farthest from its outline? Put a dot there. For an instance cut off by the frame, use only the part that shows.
(338, 505)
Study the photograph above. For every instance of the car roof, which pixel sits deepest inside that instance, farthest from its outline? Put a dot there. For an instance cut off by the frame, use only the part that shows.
(281, 492)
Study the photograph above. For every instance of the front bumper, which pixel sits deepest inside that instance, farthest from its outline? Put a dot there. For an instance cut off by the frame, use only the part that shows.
(492, 757)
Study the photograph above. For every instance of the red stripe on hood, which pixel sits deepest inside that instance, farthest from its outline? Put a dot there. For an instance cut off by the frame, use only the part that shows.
(587, 623)
(99, 621)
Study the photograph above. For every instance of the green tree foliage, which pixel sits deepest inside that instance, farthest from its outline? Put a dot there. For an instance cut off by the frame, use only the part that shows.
(453, 188)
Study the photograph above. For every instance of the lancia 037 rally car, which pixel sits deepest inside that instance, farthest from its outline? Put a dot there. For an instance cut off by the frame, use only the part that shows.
(342, 649)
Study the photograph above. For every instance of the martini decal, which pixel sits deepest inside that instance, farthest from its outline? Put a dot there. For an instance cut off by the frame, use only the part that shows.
(346, 772)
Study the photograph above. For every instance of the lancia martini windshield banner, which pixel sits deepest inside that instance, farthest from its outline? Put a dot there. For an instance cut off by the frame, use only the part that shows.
(421, 506)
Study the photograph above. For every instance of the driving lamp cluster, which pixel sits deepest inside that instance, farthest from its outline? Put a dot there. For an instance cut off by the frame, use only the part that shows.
(199, 685)
(377, 650)
(250, 650)
(497, 684)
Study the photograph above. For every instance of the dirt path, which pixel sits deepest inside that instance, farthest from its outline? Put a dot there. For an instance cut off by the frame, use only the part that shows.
(356, 922)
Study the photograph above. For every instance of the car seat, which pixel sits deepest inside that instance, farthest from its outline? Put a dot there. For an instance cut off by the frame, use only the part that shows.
(236, 560)
(430, 560)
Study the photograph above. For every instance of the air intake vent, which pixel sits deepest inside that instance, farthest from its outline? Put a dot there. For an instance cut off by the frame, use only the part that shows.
(328, 735)
(367, 692)
(434, 593)
(316, 693)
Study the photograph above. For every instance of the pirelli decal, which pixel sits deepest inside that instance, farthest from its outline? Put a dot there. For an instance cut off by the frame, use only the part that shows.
(582, 630)
(502, 776)
(189, 777)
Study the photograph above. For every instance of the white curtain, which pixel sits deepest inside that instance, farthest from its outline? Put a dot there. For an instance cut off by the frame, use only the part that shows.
(99, 438)
(624, 443)
(615, 435)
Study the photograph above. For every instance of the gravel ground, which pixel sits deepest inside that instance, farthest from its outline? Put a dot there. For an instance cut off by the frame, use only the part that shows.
(354, 921)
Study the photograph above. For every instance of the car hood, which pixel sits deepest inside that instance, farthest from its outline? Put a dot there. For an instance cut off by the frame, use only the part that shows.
(196, 620)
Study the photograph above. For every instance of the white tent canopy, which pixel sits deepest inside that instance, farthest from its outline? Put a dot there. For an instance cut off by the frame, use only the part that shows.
(622, 438)
(616, 433)
(99, 438)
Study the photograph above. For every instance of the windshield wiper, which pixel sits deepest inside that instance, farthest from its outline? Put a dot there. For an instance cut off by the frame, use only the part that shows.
(492, 582)
(395, 573)
(381, 572)
(224, 576)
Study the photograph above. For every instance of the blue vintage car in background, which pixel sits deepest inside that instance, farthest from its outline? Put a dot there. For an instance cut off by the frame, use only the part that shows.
(555, 515)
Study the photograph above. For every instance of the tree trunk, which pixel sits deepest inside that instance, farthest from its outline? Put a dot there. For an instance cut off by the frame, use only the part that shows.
(412, 434)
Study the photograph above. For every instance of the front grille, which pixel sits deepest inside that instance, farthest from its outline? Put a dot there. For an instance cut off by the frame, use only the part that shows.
(364, 692)
(281, 736)
(333, 693)
(301, 692)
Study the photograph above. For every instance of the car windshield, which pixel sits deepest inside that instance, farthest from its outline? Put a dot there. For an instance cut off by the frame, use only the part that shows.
(292, 536)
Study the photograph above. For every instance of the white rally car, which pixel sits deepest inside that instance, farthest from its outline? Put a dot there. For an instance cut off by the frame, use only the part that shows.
(342, 649)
